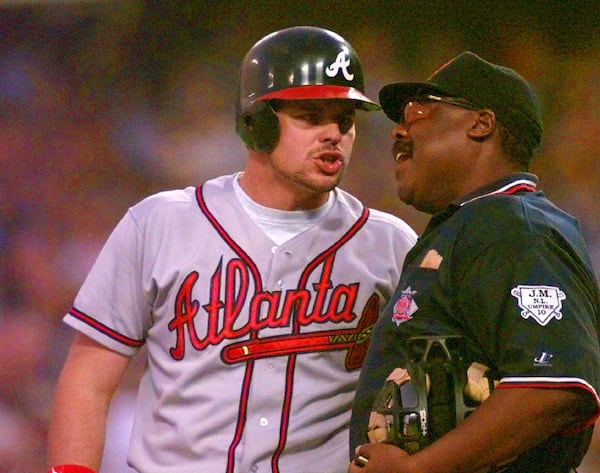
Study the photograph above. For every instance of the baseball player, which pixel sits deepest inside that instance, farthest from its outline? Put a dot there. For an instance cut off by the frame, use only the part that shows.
(254, 293)
(487, 357)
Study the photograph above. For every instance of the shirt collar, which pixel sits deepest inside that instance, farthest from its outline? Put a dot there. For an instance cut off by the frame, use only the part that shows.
(519, 182)
(512, 184)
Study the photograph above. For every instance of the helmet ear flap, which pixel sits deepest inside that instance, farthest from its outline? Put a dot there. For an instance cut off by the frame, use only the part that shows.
(259, 127)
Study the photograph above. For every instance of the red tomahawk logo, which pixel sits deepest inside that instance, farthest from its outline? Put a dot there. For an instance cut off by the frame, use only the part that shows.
(356, 340)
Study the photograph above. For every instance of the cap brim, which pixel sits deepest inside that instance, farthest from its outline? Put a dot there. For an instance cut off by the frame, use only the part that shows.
(393, 96)
(318, 92)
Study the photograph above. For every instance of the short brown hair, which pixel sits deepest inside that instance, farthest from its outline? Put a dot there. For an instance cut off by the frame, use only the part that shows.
(518, 151)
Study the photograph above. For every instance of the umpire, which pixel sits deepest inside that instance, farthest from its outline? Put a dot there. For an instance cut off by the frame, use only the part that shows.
(501, 272)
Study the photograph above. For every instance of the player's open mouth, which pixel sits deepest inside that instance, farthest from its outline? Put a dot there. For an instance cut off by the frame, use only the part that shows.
(329, 158)
(329, 163)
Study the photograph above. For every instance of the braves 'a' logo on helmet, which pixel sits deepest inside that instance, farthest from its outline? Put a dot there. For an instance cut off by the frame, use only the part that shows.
(341, 63)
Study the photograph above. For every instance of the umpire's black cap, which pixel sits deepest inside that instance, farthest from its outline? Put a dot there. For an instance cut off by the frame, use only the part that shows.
(484, 85)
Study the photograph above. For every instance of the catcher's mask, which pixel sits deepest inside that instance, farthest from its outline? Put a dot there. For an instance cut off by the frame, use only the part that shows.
(297, 63)
(420, 404)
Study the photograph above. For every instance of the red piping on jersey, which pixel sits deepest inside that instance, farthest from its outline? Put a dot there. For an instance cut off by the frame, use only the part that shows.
(512, 188)
(239, 429)
(520, 187)
(558, 384)
(543, 384)
(285, 414)
(131, 342)
(570, 385)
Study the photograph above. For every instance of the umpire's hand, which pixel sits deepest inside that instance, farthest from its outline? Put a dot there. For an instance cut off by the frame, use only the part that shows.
(379, 458)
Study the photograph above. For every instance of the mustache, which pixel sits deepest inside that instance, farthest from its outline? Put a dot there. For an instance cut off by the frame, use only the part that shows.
(328, 147)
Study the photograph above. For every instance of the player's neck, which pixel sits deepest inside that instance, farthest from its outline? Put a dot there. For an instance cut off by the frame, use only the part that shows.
(277, 195)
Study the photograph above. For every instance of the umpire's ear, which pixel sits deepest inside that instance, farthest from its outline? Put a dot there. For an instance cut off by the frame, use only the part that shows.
(483, 125)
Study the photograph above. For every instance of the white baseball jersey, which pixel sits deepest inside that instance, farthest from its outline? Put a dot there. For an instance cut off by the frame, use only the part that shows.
(253, 348)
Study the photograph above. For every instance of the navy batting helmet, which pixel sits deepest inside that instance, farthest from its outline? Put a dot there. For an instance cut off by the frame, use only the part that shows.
(302, 62)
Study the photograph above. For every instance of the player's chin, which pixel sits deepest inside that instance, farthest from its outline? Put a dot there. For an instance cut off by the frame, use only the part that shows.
(328, 182)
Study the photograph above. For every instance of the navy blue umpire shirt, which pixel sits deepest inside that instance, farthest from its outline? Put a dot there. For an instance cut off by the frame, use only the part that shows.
(510, 272)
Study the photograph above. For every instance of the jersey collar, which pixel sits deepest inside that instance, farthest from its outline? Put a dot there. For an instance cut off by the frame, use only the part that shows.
(521, 182)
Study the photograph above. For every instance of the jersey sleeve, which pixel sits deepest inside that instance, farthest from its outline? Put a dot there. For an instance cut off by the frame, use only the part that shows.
(112, 306)
(529, 304)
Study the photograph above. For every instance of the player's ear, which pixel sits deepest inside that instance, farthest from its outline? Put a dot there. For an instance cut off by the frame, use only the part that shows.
(483, 124)
(259, 127)
(248, 121)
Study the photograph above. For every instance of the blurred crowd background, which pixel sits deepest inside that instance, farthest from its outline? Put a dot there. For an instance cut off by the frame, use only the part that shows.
(103, 103)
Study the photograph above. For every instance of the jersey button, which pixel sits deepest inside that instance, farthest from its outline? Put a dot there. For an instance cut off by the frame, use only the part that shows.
(263, 421)
(254, 468)
(274, 249)
(280, 283)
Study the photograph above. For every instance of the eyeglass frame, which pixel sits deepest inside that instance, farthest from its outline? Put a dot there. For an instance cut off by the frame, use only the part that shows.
(456, 101)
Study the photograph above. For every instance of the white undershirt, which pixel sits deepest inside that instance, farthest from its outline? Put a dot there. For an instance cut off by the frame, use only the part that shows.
(280, 225)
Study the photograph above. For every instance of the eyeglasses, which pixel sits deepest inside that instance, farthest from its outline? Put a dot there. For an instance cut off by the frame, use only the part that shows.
(416, 108)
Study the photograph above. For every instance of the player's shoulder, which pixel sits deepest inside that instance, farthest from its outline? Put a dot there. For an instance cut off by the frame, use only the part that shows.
(379, 217)
(173, 199)
(378, 220)
(164, 200)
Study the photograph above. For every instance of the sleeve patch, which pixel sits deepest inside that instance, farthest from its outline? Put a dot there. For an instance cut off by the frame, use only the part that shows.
(541, 303)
